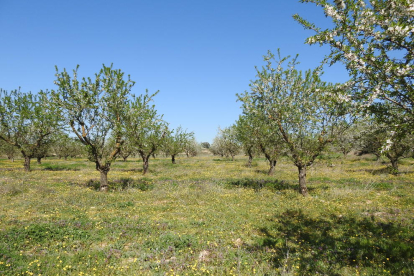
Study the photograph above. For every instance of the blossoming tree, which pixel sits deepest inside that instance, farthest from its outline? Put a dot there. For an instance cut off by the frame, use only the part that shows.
(374, 39)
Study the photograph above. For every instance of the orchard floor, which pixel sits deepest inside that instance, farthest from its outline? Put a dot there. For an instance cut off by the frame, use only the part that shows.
(206, 216)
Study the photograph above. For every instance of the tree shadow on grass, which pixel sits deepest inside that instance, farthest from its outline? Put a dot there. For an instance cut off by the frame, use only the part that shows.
(334, 244)
(257, 184)
(59, 168)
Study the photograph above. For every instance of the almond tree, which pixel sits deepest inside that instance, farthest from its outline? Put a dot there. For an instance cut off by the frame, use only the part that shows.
(301, 108)
(374, 40)
(218, 147)
(381, 140)
(192, 147)
(144, 128)
(270, 143)
(127, 150)
(244, 130)
(66, 146)
(229, 142)
(256, 135)
(176, 141)
(27, 122)
(8, 149)
(95, 109)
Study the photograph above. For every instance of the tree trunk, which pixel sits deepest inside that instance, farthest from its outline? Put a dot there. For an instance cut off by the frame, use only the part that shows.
(272, 164)
(66, 158)
(145, 165)
(303, 190)
(125, 158)
(394, 164)
(173, 159)
(249, 162)
(27, 164)
(104, 180)
(39, 160)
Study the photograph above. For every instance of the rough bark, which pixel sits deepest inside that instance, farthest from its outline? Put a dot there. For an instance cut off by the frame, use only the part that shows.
(104, 180)
(249, 162)
(173, 159)
(272, 164)
(394, 164)
(303, 190)
(27, 164)
(145, 165)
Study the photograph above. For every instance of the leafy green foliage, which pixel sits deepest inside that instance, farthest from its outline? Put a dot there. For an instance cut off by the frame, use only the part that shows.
(28, 122)
(300, 106)
(95, 109)
(226, 142)
(144, 128)
(176, 142)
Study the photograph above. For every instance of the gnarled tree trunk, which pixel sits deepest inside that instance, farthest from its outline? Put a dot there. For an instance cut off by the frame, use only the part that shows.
(145, 164)
(272, 164)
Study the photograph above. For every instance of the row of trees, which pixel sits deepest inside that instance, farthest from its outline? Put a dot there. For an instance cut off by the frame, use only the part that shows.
(295, 113)
(101, 112)
(286, 112)
(61, 145)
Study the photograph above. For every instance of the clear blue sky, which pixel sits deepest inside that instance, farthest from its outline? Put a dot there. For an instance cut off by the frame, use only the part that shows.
(199, 54)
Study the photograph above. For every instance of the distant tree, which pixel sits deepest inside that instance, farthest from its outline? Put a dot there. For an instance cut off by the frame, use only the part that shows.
(94, 110)
(144, 128)
(127, 149)
(9, 150)
(270, 143)
(228, 141)
(42, 152)
(371, 138)
(176, 141)
(379, 140)
(397, 146)
(66, 146)
(192, 148)
(347, 140)
(27, 122)
(218, 147)
(245, 129)
(300, 106)
(205, 145)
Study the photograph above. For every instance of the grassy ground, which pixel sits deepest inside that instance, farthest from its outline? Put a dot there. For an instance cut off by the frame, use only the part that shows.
(206, 216)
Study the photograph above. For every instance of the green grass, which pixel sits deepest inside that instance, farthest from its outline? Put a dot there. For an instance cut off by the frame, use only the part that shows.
(204, 217)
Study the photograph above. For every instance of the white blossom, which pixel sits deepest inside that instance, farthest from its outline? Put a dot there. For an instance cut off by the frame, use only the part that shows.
(331, 12)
